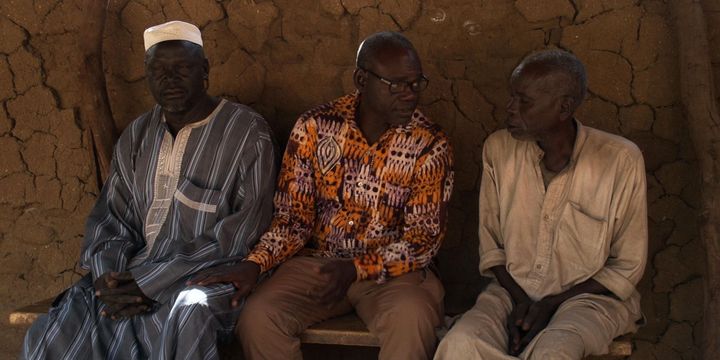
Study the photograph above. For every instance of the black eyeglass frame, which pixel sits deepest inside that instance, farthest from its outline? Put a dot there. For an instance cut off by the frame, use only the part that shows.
(412, 85)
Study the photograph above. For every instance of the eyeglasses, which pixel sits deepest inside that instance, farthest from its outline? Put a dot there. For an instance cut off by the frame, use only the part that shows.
(397, 87)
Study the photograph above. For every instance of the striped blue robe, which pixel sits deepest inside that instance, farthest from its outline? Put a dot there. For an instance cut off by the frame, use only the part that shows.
(171, 206)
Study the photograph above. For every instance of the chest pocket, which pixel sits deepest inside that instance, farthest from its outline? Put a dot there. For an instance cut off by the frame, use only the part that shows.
(579, 243)
(197, 207)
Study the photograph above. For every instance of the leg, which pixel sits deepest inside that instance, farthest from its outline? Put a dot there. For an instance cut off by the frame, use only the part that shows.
(189, 326)
(74, 329)
(584, 325)
(403, 313)
(481, 332)
(281, 308)
(558, 344)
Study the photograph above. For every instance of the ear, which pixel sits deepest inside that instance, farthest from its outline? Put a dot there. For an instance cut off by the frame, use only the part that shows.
(567, 107)
(359, 79)
(206, 68)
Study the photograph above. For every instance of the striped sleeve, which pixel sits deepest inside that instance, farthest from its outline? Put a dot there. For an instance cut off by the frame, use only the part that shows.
(294, 201)
(111, 238)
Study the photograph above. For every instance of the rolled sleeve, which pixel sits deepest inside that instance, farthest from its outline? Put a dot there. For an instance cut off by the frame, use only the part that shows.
(615, 282)
(491, 258)
(628, 250)
(492, 251)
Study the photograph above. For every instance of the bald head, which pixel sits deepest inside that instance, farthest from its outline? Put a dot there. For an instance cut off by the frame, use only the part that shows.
(572, 79)
(375, 44)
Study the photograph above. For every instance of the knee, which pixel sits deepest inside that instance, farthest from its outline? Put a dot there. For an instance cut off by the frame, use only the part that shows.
(191, 296)
(255, 317)
(458, 337)
(459, 343)
(193, 302)
(557, 344)
(412, 312)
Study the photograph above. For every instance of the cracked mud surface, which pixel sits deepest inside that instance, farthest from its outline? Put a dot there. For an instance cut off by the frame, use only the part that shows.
(283, 57)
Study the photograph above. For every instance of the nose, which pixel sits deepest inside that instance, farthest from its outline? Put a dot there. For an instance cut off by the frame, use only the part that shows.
(511, 106)
(166, 73)
(407, 94)
(171, 73)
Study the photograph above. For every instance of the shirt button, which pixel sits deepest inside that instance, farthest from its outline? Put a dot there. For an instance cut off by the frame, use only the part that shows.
(546, 217)
(351, 223)
(538, 266)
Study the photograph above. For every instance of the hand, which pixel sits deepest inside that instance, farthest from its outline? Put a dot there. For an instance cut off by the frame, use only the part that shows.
(127, 311)
(339, 275)
(121, 294)
(243, 276)
(515, 322)
(536, 319)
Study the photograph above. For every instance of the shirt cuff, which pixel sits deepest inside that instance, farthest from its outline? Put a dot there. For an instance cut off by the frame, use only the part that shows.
(151, 288)
(490, 259)
(262, 259)
(616, 283)
(367, 270)
(101, 263)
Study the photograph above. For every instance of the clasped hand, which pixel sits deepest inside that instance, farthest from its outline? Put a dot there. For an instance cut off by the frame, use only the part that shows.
(338, 275)
(121, 294)
(525, 321)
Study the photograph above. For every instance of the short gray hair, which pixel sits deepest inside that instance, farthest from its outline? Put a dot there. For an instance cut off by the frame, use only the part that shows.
(374, 43)
(560, 61)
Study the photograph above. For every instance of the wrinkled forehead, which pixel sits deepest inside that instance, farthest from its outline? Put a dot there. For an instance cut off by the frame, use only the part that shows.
(539, 77)
(397, 59)
(174, 49)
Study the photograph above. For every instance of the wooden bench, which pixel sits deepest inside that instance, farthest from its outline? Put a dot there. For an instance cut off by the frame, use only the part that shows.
(346, 330)
(343, 330)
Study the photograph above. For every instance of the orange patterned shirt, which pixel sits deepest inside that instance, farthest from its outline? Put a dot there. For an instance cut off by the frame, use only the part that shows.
(383, 205)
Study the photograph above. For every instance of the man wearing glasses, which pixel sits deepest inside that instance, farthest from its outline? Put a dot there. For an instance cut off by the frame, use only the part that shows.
(360, 211)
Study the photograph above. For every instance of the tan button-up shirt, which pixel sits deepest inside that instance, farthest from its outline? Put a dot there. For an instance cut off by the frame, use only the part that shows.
(591, 222)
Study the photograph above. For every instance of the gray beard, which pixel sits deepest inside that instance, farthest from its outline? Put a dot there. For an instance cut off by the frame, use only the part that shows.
(175, 108)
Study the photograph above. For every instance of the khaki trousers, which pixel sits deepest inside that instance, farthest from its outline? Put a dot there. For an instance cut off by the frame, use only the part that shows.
(403, 313)
(583, 325)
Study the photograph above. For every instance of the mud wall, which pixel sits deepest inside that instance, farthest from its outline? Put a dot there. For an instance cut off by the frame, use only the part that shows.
(283, 57)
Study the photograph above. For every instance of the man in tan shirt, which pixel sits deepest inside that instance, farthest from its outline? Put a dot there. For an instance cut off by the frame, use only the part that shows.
(563, 227)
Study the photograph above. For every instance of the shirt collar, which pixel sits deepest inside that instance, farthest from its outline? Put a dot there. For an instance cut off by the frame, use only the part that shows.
(196, 123)
(400, 129)
(580, 137)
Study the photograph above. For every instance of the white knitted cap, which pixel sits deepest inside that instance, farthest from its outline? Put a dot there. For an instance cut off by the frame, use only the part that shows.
(172, 30)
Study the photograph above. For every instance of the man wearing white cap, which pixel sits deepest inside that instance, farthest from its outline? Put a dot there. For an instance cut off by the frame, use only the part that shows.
(190, 188)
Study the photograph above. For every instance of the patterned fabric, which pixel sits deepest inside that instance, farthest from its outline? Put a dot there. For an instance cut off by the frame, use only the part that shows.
(383, 205)
(171, 206)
